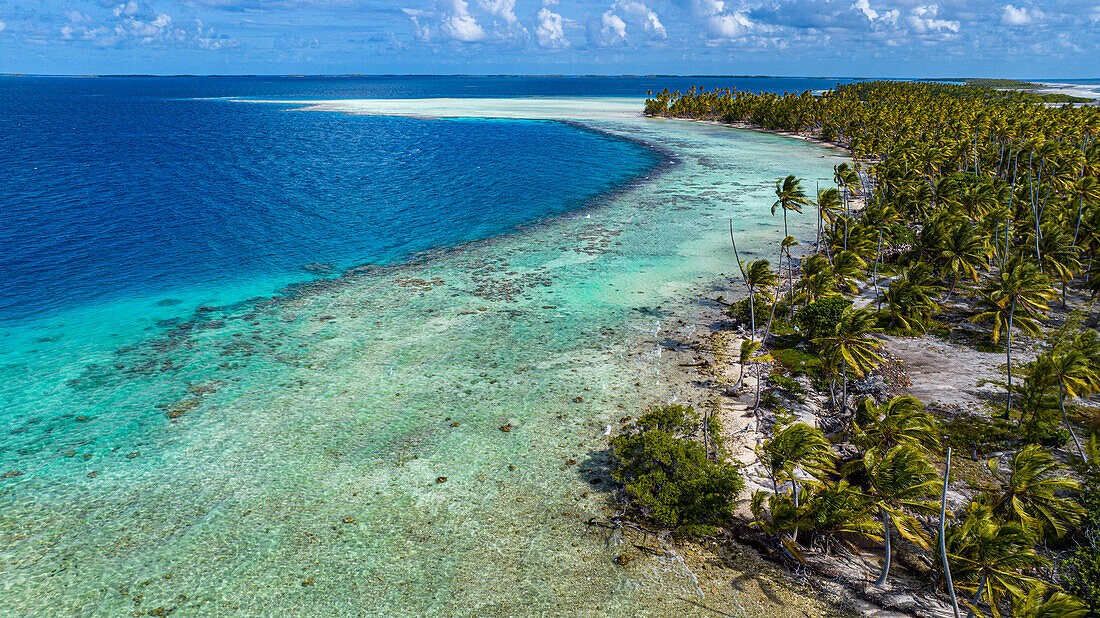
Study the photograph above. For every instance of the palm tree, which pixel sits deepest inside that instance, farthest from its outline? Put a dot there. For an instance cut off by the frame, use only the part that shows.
(758, 276)
(1059, 255)
(1018, 286)
(902, 420)
(910, 299)
(829, 205)
(790, 196)
(961, 255)
(785, 246)
(840, 510)
(1036, 604)
(1075, 376)
(748, 348)
(1086, 189)
(987, 557)
(817, 279)
(848, 269)
(798, 446)
(1028, 494)
(852, 346)
(900, 482)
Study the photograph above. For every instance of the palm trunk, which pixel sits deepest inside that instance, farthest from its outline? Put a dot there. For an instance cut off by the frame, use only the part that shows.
(886, 539)
(752, 315)
(943, 539)
(977, 597)
(1076, 228)
(844, 387)
(874, 276)
(1065, 419)
(1008, 360)
(752, 309)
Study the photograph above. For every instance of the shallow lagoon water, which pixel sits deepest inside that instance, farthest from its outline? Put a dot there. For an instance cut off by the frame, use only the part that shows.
(284, 453)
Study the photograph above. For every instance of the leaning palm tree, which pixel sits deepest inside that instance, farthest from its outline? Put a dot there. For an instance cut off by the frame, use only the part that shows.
(1036, 604)
(841, 511)
(829, 206)
(1029, 493)
(748, 348)
(988, 557)
(851, 345)
(902, 420)
(1059, 256)
(758, 276)
(1014, 298)
(900, 482)
(911, 299)
(1086, 189)
(790, 196)
(848, 270)
(1075, 376)
(797, 446)
(961, 254)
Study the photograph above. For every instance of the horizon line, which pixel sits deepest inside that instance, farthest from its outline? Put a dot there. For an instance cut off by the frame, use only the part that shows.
(523, 75)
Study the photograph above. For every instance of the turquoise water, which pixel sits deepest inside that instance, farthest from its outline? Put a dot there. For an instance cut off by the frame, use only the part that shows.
(282, 454)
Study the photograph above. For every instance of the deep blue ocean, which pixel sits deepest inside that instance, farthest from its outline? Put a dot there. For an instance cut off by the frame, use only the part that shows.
(123, 187)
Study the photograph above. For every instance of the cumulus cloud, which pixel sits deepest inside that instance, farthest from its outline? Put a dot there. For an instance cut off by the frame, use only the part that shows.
(720, 23)
(451, 20)
(642, 16)
(504, 9)
(608, 30)
(1022, 16)
(890, 17)
(130, 23)
(922, 19)
(548, 29)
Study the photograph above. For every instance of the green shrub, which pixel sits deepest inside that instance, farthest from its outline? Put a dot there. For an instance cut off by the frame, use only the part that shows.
(798, 362)
(740, 314)
(1082, 570)
(670, 478)
(819, 318)
(984, 434)
(785, 383)
(671, 419)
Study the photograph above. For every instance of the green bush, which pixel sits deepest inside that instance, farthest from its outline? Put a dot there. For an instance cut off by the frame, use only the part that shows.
(819, 318)
(670, 478)
(984, 434)
(671, 419)
(785, 383)
(1082, 570)
(740, 314)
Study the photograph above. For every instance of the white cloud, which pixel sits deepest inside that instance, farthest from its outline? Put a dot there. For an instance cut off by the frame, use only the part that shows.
(504, 9)
(548, 29)
(865, 7)
(642, 15)
(1022, 16)
(130, 23)
(873, 16)
(720, 23)
(450, 21)
(610, 29)
(607, 31)
(128, 9)
(922, 19)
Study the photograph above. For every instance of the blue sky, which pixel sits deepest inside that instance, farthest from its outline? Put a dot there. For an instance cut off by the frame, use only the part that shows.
(902, 38)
